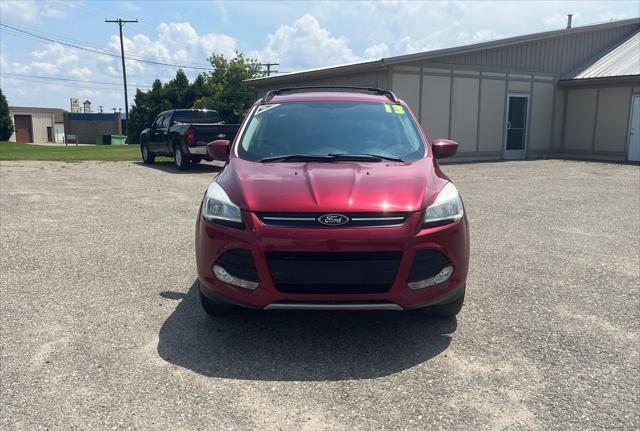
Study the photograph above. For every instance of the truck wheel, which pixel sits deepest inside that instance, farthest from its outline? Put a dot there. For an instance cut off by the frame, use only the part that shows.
(147, 156)
(180, 158)
(450, 309)
(214, 307)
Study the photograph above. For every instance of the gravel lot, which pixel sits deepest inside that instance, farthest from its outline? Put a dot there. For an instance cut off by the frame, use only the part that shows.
(101, 327)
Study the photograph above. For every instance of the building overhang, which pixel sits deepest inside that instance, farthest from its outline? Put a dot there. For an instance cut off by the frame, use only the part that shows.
(601, 81)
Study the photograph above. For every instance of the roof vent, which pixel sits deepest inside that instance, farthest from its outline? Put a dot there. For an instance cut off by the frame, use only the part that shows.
(569, 17)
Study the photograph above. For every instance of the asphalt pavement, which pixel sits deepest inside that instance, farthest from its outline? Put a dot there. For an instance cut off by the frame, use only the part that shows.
(100, 326)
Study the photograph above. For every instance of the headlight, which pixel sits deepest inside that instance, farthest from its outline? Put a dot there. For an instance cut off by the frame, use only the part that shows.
(218, 207)
(447, 207)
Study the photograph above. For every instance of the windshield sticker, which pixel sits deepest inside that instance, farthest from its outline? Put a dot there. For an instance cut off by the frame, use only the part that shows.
(394, 108)
(264, 108)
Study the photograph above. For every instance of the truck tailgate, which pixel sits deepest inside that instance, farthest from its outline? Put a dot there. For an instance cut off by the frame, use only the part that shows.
(206, 133)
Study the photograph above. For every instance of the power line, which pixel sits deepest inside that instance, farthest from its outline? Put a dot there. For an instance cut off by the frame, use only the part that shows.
(70, 40)
(52, 78)
(62, 84)
(101, 52)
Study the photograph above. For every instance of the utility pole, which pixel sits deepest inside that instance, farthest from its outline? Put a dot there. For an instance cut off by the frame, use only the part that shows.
(268, 66)
(124, 69)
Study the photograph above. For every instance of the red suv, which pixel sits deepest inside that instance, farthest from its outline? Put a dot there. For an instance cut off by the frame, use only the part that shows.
(332, 198)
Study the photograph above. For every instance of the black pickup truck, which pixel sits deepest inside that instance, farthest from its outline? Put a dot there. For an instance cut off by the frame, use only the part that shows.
(184, 134)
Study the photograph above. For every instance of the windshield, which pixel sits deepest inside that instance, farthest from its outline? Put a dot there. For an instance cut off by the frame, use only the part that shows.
(197, 117)
(326, 128)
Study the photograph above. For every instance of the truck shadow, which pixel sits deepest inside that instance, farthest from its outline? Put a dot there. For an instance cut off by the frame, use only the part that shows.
(299, 346)
(195, 168)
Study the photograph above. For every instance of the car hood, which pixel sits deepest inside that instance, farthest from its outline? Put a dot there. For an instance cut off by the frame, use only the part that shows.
(331, 187)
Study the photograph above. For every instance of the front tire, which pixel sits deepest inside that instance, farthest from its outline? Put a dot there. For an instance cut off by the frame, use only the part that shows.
(147, 156)
(450, 309)
(180, 159)
(216, 307)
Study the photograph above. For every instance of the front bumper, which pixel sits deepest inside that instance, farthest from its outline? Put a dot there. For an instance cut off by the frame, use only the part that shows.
(213, 240)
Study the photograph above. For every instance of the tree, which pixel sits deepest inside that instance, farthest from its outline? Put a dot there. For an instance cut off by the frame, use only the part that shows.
(6, 125)
(222, 90)
(148, 104)
(227, 93)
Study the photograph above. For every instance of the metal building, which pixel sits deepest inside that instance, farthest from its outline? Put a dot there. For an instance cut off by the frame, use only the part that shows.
(573, 92)
(38, 125)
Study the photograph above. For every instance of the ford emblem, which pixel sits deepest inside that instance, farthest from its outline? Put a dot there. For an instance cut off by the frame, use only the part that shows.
(333, 219)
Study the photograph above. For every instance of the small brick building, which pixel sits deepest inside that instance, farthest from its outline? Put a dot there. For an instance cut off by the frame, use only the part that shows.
(87, 127)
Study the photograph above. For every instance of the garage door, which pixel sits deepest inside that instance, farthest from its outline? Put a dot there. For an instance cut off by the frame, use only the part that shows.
(24, 132)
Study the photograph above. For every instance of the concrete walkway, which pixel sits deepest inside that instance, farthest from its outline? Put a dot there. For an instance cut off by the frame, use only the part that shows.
(57, 144)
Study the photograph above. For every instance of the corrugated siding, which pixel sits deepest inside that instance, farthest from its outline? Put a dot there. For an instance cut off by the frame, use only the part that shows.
(40, 122)
(558, 55)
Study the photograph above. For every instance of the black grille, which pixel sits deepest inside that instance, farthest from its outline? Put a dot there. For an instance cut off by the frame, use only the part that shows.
(239, 263)
(427, 264)
(310, 220)
(329, 272)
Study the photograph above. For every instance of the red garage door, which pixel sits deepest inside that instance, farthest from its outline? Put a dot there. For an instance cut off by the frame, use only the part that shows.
(24, 132)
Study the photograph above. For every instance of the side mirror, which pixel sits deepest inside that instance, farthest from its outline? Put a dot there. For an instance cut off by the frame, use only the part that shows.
(443, 148)
(219, 150)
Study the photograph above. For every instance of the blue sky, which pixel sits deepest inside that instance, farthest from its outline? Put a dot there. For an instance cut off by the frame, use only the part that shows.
(297, 34)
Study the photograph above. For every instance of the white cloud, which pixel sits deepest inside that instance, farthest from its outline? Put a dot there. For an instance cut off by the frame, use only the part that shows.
(32, 10)
(26, 10)
(129, 6)
(306, 44)
(486, 35)
(85, 93)
(52, 59)
(410, 45)
(176, 42)
(80, 72)
(377, 51)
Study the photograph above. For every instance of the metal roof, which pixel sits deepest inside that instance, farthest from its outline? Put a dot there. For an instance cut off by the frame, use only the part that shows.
(57, 112)
(383, 62)
(91, 116)
(622, 60)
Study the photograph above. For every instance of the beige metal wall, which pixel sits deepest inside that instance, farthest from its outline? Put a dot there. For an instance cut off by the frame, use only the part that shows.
(39, 123)
(597, 121)
(492, 105)
(581, 113)
(558, 55)
(464, 113)
(436, 98)
(542, 94)
(469, 106)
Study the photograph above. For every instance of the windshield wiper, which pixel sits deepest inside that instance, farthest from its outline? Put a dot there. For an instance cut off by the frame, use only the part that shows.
(298, 158)
(331, 157)
(364, 157)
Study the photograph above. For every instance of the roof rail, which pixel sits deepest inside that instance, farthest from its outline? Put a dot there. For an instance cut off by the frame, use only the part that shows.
(389, 94)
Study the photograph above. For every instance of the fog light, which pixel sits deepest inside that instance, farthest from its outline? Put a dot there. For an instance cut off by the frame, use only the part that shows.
(222, 275)
(442, 276)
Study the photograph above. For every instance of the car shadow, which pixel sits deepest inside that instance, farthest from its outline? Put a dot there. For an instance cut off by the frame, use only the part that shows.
(194, 169)
(296, 345)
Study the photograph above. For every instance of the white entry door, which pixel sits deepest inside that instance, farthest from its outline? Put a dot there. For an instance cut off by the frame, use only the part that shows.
(633, 154)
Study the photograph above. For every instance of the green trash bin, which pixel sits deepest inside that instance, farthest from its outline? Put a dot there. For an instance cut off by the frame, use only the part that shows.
(118, 139)
(103, 140)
